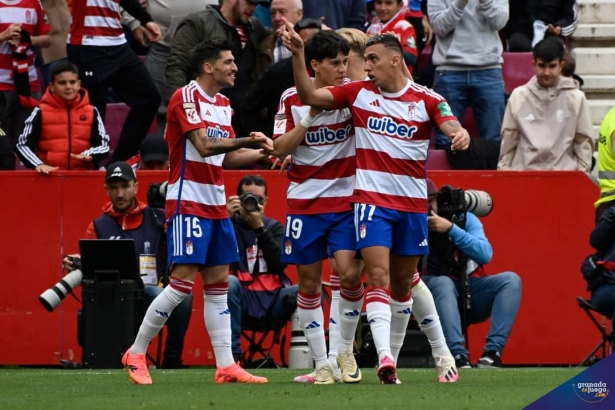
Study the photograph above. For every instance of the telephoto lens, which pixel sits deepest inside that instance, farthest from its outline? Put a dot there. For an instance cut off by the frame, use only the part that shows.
(478, 202)
(51, 298)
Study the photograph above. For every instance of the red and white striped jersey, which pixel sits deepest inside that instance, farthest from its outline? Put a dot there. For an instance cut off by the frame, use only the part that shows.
(392, 133)
(96, 23)
(196, 186)
(30, 14)
(322, 175)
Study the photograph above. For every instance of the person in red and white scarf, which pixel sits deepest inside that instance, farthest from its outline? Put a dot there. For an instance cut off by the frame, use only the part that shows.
(22, 27)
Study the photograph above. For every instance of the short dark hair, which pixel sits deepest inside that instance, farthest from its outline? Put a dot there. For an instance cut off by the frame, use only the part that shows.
(549, 49)
(325, 44)
(306, 23)
(208, 51)
(62, 66)
(251, 180)
(387, 40)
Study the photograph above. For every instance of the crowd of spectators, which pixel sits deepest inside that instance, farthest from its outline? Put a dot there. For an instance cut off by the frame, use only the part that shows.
(137, 52)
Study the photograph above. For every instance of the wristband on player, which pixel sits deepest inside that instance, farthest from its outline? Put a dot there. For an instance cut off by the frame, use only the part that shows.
(307, 120)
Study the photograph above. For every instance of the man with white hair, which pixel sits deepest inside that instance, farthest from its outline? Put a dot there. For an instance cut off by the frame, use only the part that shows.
(292, 10)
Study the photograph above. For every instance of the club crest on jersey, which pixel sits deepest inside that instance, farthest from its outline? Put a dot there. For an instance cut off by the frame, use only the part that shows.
(288, 247)
(189, 248)
(362, 231)
(192, 116)
(28, 16)
(411, 110)
(345, 113)
(387, 126)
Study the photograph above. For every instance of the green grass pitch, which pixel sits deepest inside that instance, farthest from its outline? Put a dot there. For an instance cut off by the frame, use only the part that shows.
(195, 389)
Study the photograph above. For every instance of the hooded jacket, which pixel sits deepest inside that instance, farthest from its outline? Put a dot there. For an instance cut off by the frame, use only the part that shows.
(59, 128)
(547, 129)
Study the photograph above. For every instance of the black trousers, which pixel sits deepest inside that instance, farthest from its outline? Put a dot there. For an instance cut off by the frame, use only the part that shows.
(118, 67)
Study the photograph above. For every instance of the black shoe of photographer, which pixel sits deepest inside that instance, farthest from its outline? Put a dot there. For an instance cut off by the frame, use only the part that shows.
(462, 362)
(238, 358)
(173, 363)
(490, 360)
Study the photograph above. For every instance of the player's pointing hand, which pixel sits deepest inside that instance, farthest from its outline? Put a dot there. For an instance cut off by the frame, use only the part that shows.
(291, 39)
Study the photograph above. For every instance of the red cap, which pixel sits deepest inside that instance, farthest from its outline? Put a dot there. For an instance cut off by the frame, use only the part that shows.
(432, 189)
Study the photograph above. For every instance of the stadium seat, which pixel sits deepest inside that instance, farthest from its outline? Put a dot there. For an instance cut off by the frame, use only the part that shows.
(424, 57)
(517, 70)
(114, 121)
(437, 159)
(263, 338)
(588, 308)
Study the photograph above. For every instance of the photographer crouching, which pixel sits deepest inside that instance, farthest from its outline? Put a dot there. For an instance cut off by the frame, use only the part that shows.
(601, 279)
(458, 249)
(259, 290)
(125, 217)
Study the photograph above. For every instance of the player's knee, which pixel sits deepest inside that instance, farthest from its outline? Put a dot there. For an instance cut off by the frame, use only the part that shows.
(310, 286)
(350, 277)
(378, 276)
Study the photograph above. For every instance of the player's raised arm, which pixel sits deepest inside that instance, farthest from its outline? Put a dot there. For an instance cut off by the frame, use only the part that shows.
(320, 98)
(207, 146)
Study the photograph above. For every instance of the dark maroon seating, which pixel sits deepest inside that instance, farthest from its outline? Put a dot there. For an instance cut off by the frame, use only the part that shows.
(437, 160)
(517, 70)
(114, 121)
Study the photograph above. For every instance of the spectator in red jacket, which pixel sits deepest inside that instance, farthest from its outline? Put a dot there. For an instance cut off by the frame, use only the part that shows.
(66, 131)
(391, 17)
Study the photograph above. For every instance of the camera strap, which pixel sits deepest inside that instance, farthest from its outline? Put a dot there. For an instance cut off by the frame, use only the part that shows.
(164, 269)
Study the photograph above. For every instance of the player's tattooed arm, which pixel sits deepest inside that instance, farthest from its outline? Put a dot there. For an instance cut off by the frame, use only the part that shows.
(207, 146)
(453, 124)
(460, 139)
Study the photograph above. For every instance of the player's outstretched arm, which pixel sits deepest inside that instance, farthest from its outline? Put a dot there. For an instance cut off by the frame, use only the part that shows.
(244, 156)
(213, 146)
(319, 98)
(459, 136)
(287, 143)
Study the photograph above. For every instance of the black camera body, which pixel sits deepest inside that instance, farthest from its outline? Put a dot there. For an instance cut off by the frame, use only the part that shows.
(76, 262)
(452, 205)
(250, 202)
(156, 195)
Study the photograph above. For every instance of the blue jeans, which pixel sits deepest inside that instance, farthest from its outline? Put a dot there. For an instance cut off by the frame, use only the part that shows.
(497, 296)
(176, 325)
(603, 299)
(483, 91)
(239, 309)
